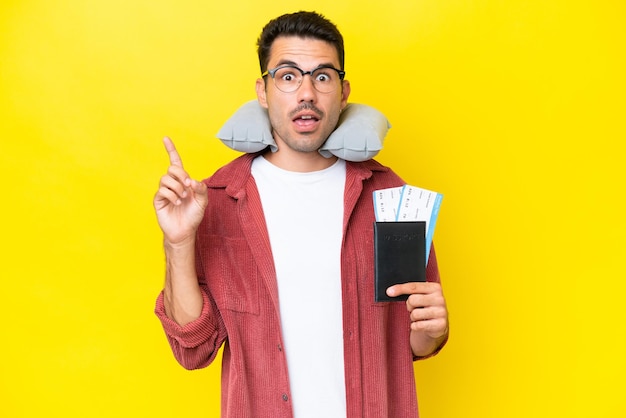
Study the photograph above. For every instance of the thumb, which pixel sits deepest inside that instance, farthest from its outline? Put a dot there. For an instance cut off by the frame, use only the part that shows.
(200, 190)
(198, 187)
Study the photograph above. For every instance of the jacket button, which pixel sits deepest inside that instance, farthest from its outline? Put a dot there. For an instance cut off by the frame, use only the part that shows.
(280, 347)
(285, 397)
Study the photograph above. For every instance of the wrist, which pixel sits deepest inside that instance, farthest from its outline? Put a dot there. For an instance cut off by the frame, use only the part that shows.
(183, 244)
(425, 345)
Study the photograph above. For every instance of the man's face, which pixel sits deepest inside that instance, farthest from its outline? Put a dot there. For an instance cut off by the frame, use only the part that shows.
(302, 120)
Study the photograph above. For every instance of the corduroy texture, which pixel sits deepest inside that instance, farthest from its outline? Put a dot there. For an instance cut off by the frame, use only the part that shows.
(237, 276)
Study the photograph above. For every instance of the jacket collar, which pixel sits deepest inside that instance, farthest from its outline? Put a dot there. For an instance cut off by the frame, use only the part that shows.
(234, 175)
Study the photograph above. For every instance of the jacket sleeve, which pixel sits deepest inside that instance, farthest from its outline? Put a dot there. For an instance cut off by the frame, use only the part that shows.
(196, 344)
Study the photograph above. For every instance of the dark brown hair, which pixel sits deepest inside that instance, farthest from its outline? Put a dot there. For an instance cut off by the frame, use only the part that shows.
(302, 24)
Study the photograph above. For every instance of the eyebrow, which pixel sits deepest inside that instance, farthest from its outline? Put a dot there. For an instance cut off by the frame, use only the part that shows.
(294, 64)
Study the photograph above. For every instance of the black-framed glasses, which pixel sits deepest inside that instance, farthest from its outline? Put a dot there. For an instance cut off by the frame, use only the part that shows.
(288, 78)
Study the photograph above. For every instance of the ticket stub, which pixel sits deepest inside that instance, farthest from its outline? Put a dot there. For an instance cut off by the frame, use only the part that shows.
(418, 204)
(387, 204)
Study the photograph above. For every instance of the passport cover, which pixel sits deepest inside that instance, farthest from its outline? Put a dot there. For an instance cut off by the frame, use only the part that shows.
(399, 256)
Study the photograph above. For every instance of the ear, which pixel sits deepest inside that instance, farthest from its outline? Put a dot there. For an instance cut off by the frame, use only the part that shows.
(260, 92)
(345, 93)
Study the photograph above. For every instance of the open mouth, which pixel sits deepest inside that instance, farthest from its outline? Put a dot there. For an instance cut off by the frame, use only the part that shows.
(306, 118)
(306, 122)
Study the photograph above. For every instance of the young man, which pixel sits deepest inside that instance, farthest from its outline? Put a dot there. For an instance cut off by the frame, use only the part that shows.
(272, 257)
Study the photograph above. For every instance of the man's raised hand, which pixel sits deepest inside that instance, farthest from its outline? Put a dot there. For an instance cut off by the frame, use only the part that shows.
(180, 201)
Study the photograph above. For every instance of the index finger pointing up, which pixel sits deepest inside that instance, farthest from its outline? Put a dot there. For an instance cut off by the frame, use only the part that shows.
(171, 151)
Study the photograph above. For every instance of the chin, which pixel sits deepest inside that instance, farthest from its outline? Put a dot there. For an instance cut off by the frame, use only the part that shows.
(302, 143)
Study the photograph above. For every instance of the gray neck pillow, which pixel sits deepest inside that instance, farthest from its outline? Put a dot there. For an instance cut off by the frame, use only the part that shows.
(358, 137)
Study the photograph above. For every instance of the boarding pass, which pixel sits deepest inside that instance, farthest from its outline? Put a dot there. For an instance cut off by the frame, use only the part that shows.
(409, 203)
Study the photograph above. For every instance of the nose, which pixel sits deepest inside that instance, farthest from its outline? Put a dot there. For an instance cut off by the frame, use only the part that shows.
(306, 91)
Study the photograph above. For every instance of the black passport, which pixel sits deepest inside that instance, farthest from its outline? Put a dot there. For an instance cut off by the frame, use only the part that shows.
(400, 256)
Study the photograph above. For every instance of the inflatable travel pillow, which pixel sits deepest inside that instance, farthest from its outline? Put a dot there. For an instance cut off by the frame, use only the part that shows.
(358, 137)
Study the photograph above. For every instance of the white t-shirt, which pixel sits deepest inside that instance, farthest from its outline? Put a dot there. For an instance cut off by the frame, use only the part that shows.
(304, 217)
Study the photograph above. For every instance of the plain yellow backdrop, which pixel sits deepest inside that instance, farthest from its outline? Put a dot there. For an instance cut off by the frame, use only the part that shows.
(513, 109)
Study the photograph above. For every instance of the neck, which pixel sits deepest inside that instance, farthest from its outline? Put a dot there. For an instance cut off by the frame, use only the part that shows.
(302, 162)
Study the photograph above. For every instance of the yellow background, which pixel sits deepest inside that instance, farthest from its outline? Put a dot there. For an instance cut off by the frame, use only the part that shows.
(513, 109)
